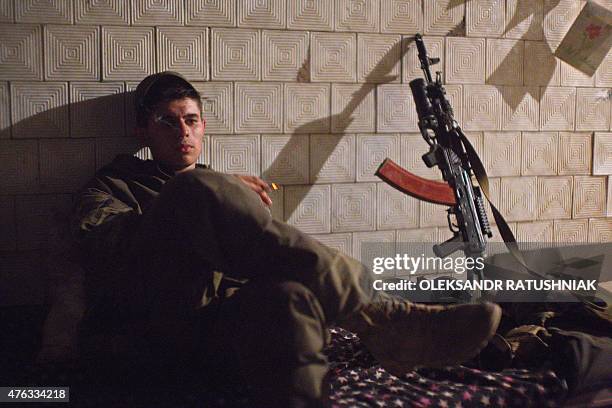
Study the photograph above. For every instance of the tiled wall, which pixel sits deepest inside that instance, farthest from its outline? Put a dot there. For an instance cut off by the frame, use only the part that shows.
(311, 94)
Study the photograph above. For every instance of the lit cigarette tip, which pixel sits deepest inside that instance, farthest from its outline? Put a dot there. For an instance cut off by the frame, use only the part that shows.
(274, 186)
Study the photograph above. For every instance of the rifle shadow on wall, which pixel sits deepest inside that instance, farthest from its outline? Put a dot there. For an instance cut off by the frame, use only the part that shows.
(338, 123)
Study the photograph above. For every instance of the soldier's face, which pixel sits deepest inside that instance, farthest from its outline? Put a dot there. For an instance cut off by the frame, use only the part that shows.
(174, 134)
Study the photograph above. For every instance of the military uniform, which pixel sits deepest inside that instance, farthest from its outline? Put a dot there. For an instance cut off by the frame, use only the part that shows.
(159, 249)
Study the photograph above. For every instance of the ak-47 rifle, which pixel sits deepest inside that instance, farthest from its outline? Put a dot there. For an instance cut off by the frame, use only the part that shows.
(447, 150)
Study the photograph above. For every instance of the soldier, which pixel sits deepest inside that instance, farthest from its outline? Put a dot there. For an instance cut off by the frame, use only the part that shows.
(163, 238)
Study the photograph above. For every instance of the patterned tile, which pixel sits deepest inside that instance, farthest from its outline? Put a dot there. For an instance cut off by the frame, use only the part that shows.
(541, 67)
(262, 13)
(609, 209)
(465, 60)
(432, 215)
(66, 164)
(5, 112)
(19, 172)
(284, 159)
(410, 58)
(367, 245)
(372, 150)
(102, 12)
(352, 108)
(518, 198)
(184, 50)
(72, 53)
(575, 150)
(559, 15)
(505, 61)
(97, 109)
(307, 108)
(127, 53)
(571, 76)
(454, 94)
(258, 107)
(235, 154)
(524, 19)
(396, 111)
(39, 109)
(540, 151)
(378, 57)
(602, 153)
(357, 15)
(310, 15)
(395, 209)
(521, 110)
(539, 231)
(214, 13)
(600, 230)
(555, 198)
(155, 12)
(21, 52)
(332, 158)
(482, 107)
(485, 18)
(558, 108)
(603, 75)
(334, 57)
(47, 12)
(420, 235)
(592, 109)
(353, 207)
(343, 242)
(217, 106)
(589, 197)
(312, 208)
(7, 15)
(502, 153)
(235, 54)
(571, 231)
(441, 17)
(284, 54)
(401, 16)
(412, 148)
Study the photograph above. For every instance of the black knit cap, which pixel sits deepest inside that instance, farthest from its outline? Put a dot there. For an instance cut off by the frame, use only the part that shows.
(151, 84)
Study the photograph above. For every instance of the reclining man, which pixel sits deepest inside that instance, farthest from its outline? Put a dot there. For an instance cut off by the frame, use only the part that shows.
(156, 236)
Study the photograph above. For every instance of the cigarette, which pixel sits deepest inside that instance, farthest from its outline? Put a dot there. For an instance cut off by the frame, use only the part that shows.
(274, 186)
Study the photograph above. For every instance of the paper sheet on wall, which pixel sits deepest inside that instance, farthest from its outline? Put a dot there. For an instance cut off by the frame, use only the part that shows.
(589, 39)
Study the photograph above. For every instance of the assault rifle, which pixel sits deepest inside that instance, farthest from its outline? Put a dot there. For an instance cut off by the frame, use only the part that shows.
(450, 150)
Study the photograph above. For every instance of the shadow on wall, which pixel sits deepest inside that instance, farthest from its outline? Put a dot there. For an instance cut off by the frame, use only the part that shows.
(52, 153)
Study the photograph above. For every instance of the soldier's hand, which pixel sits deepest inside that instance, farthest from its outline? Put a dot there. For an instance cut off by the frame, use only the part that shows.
(259, 186)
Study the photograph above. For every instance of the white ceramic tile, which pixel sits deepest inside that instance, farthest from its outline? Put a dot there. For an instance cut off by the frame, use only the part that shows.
(442, 17)
(258, 107)
(217, 106)
(378, 58)
(575, 151)
(310, 15)
(353, 108)
(235, 154)
(465, 60)
(592, 109)
(39, 109)
(600, 230)
(72, 52)
(502, 153)
(307, 108)
(571, 231)
(155, 12)
(571, 76)
(521, 108)
(589, 196)
(540, 151)
(334, 57)
(353, 207)
(262, 13)
(47, 12)
(235, 54)
(401, 16)
(284, 159)
(555, 198)
(539, 231)
(312, 208)
(541, 67)
(332, 158)
(102, 12)
(357, 15)
(482, 107)
(558, 108)
(284, 55)
(127, 53)
(518, 198)
(215, 13)
(396, 111)
(505, 61)
(395, 209)
(602, 153)
(184, 50)
(21, 56)
(524, 19)
(372, 150)
(485, 18)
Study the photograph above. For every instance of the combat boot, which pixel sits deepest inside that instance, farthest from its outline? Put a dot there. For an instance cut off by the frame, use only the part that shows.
(403, 336)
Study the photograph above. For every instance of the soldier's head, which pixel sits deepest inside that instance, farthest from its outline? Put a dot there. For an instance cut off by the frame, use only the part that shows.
(169, 119)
